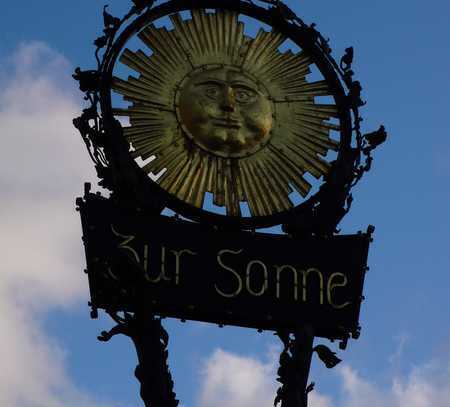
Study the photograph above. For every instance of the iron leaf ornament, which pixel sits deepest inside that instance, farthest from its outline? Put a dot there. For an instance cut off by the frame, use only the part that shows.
(327, 356)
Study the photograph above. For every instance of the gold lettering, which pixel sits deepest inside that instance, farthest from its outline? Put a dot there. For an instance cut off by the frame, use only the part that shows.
(279, 270)
(305, 275)
(163, 264)
(178, 255)
(124, 244)
(162, 274)
(247, 278)
(112, 275)
(145, 258)
(331, 287)
(219, 260)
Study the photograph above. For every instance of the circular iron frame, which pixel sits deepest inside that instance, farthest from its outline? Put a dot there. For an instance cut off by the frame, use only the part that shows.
(302, 37)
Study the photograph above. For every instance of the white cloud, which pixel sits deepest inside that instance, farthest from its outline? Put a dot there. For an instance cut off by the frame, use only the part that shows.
(424, 386)
(238, 381)
(230, 379)
(402, 340)
(357, 391)
(43, 168)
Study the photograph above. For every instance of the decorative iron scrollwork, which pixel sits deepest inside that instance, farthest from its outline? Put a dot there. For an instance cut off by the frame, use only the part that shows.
(295, 360)
(320, 214)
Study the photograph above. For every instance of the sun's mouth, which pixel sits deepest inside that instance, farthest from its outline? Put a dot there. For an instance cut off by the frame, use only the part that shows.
(228, 123)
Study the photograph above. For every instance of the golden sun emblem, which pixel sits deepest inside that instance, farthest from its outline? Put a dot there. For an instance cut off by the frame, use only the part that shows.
(225, 113)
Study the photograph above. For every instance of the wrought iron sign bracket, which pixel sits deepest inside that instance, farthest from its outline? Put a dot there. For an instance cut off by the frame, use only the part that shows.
(266, 130)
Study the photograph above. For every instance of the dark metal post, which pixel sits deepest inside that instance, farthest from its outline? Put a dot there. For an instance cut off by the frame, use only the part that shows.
(295, 363)
(152, 371)
(151, 340)
(303, 350)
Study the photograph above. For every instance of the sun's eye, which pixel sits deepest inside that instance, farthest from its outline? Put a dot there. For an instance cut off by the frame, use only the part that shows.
(244, 96)
(212, 92)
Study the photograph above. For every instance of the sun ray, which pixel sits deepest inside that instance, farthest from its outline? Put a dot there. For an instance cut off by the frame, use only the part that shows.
(273, 200)
(146, 149)
(304, 144)
(218, 186)
(198, 188)
(212, 165)
(279, 190)
(314, 146)
(141, 133)
(164, 160)
(282, 177)
(185, 190)
(250, 191)
(265, 195)
(261, 49)
(177, 164)
(306, 158)
(142, 64)
(176, 182)
(325, 112)
(231, 191)
(280, 66)
(292, 170)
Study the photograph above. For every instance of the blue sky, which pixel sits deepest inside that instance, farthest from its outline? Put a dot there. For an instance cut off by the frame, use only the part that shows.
(52, 357)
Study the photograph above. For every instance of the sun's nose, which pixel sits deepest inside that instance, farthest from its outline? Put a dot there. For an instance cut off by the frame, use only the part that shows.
(228, 100)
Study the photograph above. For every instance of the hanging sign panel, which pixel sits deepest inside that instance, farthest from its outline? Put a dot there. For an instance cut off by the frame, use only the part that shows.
(185, 270)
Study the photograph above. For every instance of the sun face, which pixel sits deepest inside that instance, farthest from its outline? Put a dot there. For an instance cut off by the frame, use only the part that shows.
(226, 114)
